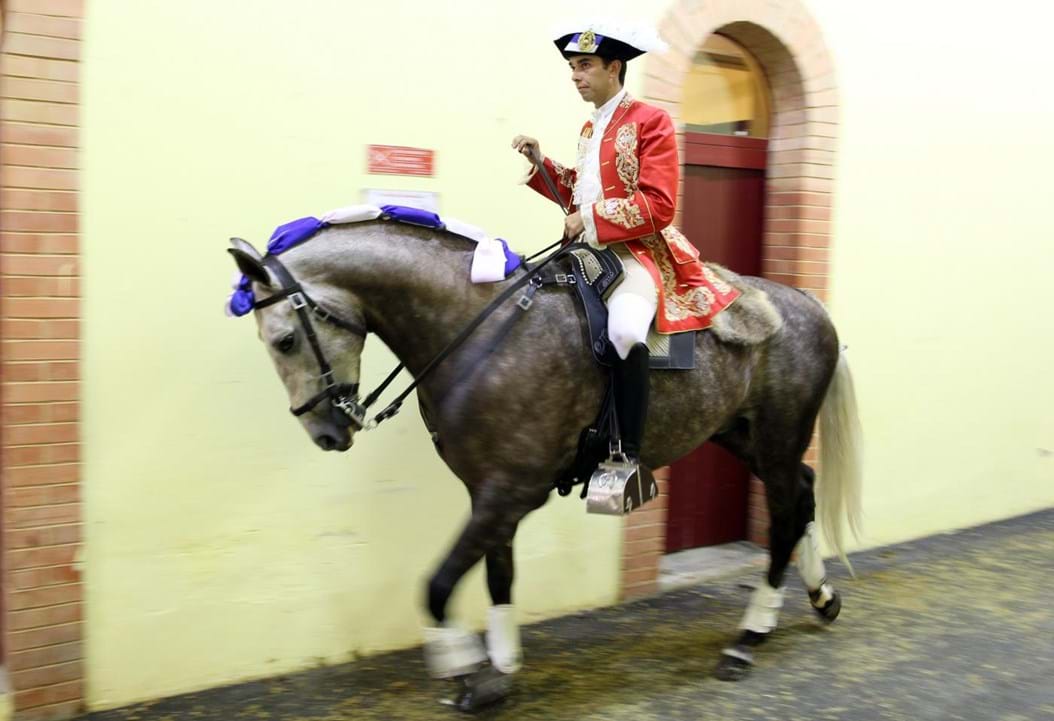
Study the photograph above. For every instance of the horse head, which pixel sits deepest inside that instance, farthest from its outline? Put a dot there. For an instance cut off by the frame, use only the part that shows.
(316, 352)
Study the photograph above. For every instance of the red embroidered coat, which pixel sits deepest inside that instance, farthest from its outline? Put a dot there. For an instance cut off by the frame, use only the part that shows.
(640, 176)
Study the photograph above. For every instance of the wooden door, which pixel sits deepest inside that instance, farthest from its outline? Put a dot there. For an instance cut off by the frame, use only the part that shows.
(722, 215)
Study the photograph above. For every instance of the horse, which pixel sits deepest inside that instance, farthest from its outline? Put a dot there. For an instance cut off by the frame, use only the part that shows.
(506, 417)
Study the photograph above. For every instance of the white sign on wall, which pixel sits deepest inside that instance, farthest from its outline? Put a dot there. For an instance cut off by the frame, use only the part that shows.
(423, 199)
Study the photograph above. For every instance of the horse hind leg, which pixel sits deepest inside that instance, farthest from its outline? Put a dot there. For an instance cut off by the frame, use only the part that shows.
(762, 613)
(823, 598)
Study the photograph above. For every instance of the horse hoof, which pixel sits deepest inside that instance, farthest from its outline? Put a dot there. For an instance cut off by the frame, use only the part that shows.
(484, 688)
(733, 667)
(830, 610)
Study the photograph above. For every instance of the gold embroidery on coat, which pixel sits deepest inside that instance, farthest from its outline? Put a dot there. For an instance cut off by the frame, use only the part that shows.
(626, 162)
(620, 211)
(565, 176)
(681, 244)
(678, 304)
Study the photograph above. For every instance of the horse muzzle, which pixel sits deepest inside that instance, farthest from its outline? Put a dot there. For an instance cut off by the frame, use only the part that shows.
(334, 439)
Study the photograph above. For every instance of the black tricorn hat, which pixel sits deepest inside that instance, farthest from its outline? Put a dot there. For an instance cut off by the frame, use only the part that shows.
(617, 42)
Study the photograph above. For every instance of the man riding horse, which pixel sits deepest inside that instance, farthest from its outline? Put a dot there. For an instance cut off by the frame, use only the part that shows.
(756, 390)
(624, 191)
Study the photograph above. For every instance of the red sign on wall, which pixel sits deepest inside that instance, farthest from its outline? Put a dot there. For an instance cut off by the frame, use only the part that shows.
(399, 160)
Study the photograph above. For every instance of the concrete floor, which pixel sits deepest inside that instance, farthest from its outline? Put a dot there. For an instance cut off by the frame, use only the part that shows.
(958, 626)
(710, 563)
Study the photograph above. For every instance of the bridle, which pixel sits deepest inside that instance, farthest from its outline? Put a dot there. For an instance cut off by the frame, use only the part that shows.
(342, 396)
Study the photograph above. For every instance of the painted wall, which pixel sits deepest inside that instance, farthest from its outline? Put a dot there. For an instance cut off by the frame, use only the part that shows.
(942, 258)
(220, 543)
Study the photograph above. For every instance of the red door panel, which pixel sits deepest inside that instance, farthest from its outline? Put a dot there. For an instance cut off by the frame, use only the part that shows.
(722, 215)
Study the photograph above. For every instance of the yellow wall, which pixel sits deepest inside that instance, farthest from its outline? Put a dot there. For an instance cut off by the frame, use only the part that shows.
(942, 259)
(220, 544)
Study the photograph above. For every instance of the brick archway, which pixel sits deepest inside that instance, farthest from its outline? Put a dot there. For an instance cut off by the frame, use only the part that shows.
(788, 43)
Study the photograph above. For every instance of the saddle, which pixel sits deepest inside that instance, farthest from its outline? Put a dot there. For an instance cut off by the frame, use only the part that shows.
(596, 274)
(611, 488)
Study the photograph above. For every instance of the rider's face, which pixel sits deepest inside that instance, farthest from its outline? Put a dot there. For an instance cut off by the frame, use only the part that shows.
(595, 83)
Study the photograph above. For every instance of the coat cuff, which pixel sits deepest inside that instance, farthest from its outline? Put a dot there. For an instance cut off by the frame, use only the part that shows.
(589, 235)
(531, 171)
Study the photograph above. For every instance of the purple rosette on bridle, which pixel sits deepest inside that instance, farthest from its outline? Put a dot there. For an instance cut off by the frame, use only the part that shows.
(284, 237)
(241, 301)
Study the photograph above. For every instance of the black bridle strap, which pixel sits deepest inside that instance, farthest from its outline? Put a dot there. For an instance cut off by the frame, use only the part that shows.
(290, 288)
(317, 310)
(302, 303)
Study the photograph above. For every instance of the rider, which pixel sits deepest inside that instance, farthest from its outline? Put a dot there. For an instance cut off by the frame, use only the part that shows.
(624, 190)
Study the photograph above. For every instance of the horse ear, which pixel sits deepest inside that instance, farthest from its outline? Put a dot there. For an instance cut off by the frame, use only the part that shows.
(250, 266)
(246, 247)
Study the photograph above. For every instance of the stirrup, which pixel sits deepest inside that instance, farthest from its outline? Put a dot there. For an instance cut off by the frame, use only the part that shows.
(619, 485)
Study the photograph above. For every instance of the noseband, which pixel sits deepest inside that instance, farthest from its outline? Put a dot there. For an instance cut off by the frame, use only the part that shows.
(344, 397)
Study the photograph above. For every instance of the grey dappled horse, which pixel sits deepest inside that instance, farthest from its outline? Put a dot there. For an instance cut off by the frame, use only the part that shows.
(506, 420)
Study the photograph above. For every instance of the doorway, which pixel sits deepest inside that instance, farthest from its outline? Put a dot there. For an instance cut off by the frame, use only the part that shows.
(726, 112)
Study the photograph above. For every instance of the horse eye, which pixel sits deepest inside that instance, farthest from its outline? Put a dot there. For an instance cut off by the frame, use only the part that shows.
(286, 343)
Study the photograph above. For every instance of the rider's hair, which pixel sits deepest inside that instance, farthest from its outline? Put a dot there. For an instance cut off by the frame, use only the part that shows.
(621, 73)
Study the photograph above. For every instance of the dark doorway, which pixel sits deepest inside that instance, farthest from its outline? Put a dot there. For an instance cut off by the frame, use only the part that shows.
(722, 215)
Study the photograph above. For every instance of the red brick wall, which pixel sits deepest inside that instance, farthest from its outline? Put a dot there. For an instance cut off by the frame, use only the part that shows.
(790, 47)
(645, 542)
(39, 356)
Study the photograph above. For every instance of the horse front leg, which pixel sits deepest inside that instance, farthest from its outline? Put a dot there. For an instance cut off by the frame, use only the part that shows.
(452, 652)
(503, 632)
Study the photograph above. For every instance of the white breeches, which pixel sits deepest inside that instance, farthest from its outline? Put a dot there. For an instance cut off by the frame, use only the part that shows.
(631, 306)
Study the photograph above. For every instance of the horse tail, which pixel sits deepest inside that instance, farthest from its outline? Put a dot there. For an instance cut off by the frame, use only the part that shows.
(838, 487)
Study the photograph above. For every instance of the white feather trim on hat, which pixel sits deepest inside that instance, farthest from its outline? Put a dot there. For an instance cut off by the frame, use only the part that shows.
(642, 37)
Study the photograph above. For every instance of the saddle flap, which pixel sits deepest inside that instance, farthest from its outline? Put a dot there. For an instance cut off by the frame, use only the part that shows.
(597, 273)
(601, 270)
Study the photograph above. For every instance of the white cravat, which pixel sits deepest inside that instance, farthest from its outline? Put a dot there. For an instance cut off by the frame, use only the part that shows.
(588, 186)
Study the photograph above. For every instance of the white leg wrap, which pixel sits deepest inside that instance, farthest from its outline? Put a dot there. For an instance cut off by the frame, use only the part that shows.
(503, 639)
(810, 563)
(451, 651)
(763, 612)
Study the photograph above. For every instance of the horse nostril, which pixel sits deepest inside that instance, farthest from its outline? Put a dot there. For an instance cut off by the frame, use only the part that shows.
(327, 443)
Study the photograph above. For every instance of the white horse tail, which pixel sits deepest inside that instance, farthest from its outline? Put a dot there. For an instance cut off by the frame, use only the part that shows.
(838, 487)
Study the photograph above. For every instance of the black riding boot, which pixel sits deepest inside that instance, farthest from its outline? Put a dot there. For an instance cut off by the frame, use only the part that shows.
(631, 399)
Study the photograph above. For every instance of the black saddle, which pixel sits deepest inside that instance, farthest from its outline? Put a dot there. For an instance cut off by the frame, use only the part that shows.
(596, 273)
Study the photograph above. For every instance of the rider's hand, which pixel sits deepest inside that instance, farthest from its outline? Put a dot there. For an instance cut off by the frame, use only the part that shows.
(527, 146)
(573, 226)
